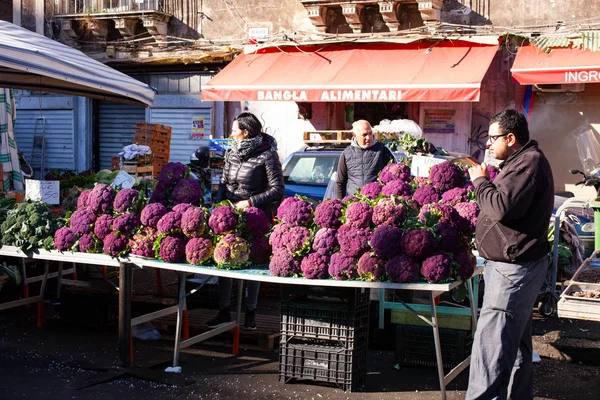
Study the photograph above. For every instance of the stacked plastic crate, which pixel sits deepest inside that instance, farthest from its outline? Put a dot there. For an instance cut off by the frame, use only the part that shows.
(324, 335)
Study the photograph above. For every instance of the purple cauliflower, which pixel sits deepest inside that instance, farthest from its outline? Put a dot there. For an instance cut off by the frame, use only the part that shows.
(359, 214)
(468, 213)
(81, 221)
(446, 176)
(426, 194)
(421, 181)
(469, 186)
(371, 190)
(343, 267)
(389, 211)
(223, 219)
(466, 263)
(395, 171)
(448, 237)
(418, 243)
(198, 251)
(432, 214)
(161, 193)
(127, 200)
(115, 244)
(493, 172)
(187, 191)
(386, 241)
(83, 199)
(328, 214)
(172, 249)
(100, 200)
(103, 226)
(353, 241)
(142, 243)
(172, 173)
(402, 269)
(284, 264)
(88, 244)
(295, 211)
(170, 223)
(455, 196)
(348, 199)
(437, 267)
(397, 188)
(256, 221)
(231, 252)
(276, 237)
(297, 240)
(371, 268)
(193, 222)
(182, 207)
(315, 266)
(126, 223)
(64, 239)
(152, 213)
(325, 241)
(260, 250)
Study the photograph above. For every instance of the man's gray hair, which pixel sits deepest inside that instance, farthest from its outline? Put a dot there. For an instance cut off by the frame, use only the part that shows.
(355, 124)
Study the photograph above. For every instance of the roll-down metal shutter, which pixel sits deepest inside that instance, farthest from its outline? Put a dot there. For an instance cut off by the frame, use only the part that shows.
(116, 128)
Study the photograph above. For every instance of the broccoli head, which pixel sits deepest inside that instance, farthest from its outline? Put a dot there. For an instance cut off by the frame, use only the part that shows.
(402, 269)
(385, 241)
(198, 251)
(448, 237)
(371, 268)
(126, 223)
(182, 207)
(468, 213)
(172, 173)
(260, 250)
(466, 263)
(83, 199)
(437, 267)
(89, 244)
(315, 266)
(343, 267)
(328, 214)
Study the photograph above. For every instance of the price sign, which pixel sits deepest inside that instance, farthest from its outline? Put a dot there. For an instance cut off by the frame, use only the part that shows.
(46, 191)
(421, 164)
(123, 180)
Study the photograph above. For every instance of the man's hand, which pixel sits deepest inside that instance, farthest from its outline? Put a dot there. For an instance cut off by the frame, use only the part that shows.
(477, 171)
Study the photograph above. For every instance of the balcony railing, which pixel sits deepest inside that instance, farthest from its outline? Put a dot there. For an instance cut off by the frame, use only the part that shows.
(70, 7)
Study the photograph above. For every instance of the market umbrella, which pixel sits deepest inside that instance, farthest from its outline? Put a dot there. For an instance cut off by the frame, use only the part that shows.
(12, 178)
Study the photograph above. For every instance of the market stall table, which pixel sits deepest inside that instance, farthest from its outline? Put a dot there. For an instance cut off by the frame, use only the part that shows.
(252, 274)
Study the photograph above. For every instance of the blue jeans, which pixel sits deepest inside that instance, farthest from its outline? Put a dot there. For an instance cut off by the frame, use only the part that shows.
(501, 359)
(225, 293)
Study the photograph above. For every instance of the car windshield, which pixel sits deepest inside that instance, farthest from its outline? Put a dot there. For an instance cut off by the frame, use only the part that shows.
(310, 169)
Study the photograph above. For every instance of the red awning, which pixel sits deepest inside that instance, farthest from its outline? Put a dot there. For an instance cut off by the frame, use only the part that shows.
(534, 67)
(448, 71)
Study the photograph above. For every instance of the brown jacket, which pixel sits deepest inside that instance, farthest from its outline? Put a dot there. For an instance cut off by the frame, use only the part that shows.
(515, 210)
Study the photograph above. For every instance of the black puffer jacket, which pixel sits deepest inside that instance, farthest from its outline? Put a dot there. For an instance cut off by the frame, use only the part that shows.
(257, 177)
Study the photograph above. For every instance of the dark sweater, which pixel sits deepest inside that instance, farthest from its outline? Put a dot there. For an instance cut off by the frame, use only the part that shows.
(515, 210)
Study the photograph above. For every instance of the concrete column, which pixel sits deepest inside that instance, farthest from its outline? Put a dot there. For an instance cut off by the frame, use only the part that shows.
(16, 12)
(40, 9)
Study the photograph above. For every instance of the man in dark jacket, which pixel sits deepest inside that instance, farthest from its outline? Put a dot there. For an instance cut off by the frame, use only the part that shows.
(511, 235)
(361, 161)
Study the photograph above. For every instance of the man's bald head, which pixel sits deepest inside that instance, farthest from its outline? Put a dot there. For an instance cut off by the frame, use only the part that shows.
(363, 133)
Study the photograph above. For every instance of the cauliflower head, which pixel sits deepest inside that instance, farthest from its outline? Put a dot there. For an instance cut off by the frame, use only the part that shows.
(231, 252)
(193, 222)
(418, 243)
(328, 214)
(353, 241)
(446, 176)
(325, 241)
(386, 241)
(152, 213)
(103, 226)
(343, 267)
(371, 268)
(223, 219)
(402, 269)
(198, 251)
(437, 267)
(315, 266)
(359, 214)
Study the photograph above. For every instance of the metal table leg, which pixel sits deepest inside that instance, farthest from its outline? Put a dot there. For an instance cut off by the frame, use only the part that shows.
(438, 346)
(381, 308)
(125, 286)
(180, 311)
(238, 318)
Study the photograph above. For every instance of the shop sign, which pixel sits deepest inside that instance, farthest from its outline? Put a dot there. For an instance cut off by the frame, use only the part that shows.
(439, 121)
(198, 128)
(582, 76)
(330, 95)
(420, 165)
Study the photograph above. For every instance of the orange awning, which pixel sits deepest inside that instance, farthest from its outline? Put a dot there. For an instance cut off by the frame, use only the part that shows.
(447, 71)
(534, 67)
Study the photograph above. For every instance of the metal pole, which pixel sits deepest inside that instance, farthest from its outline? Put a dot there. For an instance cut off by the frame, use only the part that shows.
(381, 308)
(180, 305)
(473, 304)
(125, 285)
(438, 346)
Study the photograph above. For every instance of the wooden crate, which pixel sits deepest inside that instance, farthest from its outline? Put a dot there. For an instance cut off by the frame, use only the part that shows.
(115, 163)
(328, 136)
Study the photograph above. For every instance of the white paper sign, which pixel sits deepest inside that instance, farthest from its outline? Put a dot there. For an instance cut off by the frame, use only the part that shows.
(46, 191)
(123, 180)
(421, 164)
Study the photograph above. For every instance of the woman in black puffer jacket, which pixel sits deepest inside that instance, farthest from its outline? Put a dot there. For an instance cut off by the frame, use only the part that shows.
(252, 177)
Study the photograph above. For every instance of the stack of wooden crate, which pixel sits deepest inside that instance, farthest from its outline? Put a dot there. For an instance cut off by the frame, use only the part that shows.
(158, 138)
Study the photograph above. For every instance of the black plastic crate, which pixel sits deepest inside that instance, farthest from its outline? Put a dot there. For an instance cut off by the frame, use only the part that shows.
(349, 296)
(335, 321)
(415, 346)
(328, 363)
(89, 309)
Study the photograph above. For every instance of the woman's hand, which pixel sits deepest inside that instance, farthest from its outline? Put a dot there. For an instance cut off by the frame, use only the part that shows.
(242, 205)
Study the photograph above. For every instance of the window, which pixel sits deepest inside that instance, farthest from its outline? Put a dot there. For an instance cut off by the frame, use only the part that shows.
(310, 169)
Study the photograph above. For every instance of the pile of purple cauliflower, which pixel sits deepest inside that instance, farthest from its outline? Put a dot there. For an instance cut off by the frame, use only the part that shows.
(400, 229)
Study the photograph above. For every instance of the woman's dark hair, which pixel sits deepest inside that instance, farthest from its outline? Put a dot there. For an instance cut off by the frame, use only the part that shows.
(512, 121)
(248, 122)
